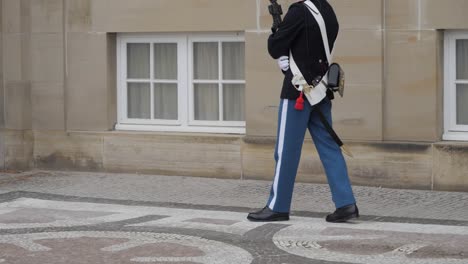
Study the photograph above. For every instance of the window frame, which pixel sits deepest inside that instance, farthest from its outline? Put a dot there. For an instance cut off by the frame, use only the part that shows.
(452, 131)
(185, 122)
(220, 81)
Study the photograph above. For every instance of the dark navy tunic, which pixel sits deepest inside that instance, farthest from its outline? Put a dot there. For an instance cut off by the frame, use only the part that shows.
(300, 33)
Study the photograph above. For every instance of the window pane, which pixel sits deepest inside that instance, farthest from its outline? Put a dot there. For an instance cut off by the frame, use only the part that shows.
(462, 104)
(165, 61)
(205, 61)
(462, 59)
(234, 102)
(233, 60)
(165, 101)
(139, 100)
(138, 61)
(206, 102)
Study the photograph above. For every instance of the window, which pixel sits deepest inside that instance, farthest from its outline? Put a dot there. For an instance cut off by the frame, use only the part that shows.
(187, 83)
(456, 86)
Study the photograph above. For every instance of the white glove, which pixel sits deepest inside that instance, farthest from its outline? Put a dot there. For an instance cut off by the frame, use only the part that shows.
(283, 63)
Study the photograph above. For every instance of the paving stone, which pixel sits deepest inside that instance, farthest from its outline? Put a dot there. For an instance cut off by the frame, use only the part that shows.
(123, 218)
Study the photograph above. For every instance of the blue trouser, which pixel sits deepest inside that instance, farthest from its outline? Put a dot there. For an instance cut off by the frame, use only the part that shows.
(292, 125)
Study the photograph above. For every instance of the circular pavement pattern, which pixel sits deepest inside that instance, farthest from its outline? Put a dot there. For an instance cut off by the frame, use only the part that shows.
(117, 247)
(368, 243)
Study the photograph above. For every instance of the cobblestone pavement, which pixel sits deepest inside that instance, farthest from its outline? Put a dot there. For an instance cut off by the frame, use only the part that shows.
(71, 217)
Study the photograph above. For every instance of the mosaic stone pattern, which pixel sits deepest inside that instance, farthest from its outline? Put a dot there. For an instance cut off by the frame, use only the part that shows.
(47, 229)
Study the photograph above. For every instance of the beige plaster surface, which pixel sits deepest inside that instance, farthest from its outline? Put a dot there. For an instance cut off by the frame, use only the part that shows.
(411, 94)
(47, 57)
(264, 81)
(88, 81)
(426, 14)
(18, 105)
(173, 16)
(46, 16)
(47, 106)
(79, 14)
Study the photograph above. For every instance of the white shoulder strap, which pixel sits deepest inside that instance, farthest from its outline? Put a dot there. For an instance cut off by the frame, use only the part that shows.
(323, 29)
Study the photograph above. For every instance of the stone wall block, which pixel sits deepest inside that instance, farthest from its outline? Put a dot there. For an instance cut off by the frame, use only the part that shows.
(47, 57)
(402, 14)
(79, 15)
(18, 149)
(68, 151)
(173, 16)
(447, 14)
(46, 16)
(412, 86)
(17, 57)
(2, 149)
(264, 81)
(87, 82)
(191, 155)
(450, 166)
(47, 102)
(393, 165)
(18, 105)
(2, 91)
(15, 16)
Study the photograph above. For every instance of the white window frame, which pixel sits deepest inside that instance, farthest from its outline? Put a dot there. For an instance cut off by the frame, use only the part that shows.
(186, 121)
(452, 131)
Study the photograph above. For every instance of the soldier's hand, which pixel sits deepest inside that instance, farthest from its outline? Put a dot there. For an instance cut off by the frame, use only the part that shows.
(283, 63)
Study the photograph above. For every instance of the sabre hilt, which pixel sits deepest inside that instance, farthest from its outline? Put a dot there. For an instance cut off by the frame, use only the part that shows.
(276, 11)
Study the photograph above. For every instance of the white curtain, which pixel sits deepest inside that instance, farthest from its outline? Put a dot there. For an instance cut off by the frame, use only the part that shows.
(462, 104)
(233, 69)
(462, 89)
(165, 61)
(462, 59)
(233, 102)
(165, 101)
(138, 100)
(233, 61)
(206, 102)
(205, 61)
(138, 94)
(206, 67)
(164, 94)
(138, 61)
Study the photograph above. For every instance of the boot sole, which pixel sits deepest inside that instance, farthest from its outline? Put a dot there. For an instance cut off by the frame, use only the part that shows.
(269, 220)
(345, 219)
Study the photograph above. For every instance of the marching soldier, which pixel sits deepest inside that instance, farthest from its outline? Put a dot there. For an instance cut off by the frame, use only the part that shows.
(301, 35)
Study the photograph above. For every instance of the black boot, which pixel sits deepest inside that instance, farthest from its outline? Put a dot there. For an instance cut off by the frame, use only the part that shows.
(343, 214)
(267, 215)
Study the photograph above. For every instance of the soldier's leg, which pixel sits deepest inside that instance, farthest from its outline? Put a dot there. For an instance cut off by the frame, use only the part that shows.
(292, 125)
(331, 157)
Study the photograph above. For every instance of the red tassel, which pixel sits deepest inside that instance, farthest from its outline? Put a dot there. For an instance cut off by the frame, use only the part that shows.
(300, 103)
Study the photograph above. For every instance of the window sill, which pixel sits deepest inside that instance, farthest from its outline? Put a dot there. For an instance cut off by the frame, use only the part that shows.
(455, 136)
(192, 129)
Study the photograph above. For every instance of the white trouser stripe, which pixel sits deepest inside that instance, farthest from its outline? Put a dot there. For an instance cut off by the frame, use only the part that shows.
(284, 114)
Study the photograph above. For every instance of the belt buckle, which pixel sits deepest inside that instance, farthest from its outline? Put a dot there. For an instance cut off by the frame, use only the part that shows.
(307, 88)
